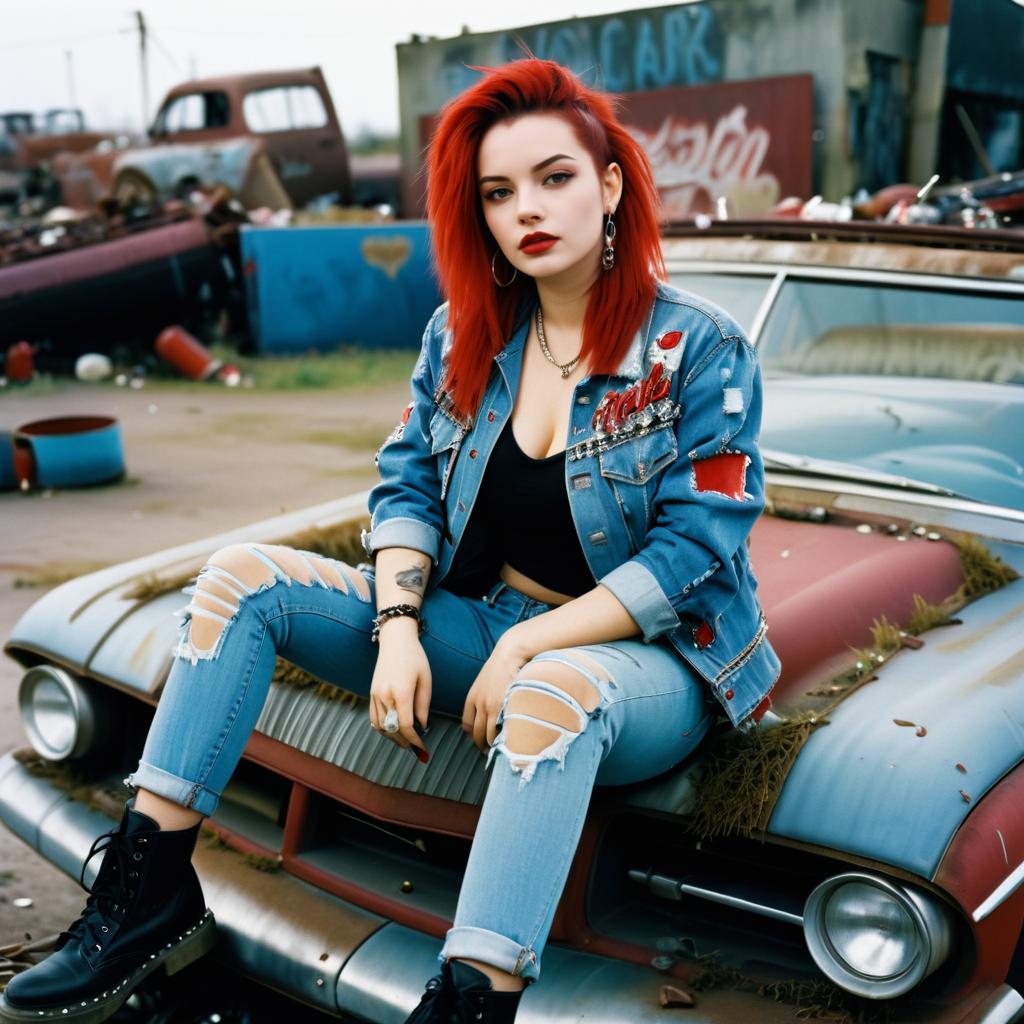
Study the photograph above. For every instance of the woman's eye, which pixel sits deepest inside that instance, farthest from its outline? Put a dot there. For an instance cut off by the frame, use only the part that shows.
(558, 177)
(497, 193)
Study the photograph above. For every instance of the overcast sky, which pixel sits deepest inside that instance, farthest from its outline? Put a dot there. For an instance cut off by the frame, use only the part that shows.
(354, 43)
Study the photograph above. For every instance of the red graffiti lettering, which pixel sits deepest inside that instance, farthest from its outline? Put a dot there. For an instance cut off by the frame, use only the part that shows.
(613, 409)
(694, 162)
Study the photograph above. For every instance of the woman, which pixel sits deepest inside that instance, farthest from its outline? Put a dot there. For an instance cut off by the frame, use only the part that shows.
(581, 449)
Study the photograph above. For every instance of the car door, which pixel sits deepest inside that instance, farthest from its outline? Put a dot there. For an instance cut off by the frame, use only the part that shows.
(298, 126)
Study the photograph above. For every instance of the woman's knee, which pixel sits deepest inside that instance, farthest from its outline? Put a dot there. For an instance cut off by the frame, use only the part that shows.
(549, 704)
(238, 571)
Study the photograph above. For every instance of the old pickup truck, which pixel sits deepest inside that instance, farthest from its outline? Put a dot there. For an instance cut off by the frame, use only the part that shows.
(272, 137)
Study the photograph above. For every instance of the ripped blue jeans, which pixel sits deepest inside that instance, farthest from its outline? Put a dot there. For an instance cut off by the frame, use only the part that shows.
(573, 718)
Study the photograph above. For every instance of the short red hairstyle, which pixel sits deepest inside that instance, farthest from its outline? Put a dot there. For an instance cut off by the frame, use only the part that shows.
(480, 315)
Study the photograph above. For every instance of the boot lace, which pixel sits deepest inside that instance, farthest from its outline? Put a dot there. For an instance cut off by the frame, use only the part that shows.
(110, 891)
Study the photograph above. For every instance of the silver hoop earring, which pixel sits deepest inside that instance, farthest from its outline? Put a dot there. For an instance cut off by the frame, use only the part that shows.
(494, 272)
(608, 256)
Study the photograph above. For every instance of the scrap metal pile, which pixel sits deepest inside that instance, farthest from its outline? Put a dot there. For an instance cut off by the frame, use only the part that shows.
(75, 282)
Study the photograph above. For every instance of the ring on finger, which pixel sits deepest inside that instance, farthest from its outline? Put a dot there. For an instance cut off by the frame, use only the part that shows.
(391, 721)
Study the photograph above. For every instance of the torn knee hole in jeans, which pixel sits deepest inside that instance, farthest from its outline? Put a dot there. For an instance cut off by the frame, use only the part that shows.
(239, 571)
(548, 705)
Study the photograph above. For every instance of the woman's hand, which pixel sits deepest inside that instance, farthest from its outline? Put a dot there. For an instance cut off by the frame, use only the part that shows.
(401, 680)
(485, 697)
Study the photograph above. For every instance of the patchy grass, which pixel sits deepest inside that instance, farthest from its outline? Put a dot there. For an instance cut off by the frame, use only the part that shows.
(41, 384)
(345, 369)
(51, 573)
(926, 616)
(983, 571)
(356, 437)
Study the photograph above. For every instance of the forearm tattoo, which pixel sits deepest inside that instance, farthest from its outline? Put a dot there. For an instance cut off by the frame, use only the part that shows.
(411, 579)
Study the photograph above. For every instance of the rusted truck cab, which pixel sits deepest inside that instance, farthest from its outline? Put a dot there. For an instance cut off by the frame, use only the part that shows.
(290, 112)
(272, 137)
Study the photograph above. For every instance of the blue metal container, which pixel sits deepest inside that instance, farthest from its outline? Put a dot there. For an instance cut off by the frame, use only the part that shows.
(7, 477)
(73, 451)
(321, 287)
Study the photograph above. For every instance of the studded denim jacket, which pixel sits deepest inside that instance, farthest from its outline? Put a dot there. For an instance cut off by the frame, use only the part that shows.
(662, 470)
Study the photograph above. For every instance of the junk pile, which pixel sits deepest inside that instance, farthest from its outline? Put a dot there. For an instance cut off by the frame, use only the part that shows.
(74, 282)
(992, 203)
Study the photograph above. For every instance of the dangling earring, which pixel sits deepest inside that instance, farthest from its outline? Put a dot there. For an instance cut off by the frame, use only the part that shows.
(608, 256)
(494, 272)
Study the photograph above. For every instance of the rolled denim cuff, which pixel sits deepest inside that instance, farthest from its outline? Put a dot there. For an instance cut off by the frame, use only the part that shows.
(173, 787)
(465, 942)
(641, 595)
(403, 532)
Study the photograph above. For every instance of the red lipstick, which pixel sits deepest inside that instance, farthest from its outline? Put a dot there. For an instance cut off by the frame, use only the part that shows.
(536, 242)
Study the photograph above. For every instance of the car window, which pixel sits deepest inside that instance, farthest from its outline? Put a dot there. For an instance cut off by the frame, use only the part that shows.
(848, 328)
(194, 112)
(63, 122)
(284, 108)
(740, 295)
(19, 124)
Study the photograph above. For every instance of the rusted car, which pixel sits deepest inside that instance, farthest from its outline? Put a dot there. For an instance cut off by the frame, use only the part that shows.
(27, 141)
(272, 137)
(862, 858)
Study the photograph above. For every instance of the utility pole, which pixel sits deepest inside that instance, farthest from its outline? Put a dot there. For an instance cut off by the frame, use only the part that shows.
(69, 60)
(141, 19)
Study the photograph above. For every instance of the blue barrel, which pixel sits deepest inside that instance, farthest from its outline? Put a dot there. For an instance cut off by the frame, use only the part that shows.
(73, 451)
(7, 477)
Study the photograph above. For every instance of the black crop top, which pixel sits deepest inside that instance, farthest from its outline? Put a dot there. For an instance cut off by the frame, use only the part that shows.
(522, 517)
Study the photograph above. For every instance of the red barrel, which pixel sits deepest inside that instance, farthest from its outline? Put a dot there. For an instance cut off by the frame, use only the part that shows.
(21, 364)
(186, 353)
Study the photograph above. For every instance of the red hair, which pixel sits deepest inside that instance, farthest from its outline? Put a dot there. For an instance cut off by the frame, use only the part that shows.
(480, 314)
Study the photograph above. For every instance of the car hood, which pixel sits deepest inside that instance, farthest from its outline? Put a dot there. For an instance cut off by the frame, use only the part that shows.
(870, 784)
(961, 435)
(861, 784)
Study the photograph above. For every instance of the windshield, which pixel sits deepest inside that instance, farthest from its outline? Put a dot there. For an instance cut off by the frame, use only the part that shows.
(740, 295)
(823, 328)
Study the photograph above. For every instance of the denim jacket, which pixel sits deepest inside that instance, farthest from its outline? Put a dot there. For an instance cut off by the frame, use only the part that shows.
(662, 470)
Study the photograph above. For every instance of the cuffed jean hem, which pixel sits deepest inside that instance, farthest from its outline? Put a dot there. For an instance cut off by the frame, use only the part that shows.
(173, 787)
(468, 943)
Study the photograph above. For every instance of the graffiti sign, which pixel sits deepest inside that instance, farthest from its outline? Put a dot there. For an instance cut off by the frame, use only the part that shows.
(632, 51)
(746, 142)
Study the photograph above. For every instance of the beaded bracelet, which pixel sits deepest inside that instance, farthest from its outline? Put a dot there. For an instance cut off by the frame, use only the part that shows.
(395, 611)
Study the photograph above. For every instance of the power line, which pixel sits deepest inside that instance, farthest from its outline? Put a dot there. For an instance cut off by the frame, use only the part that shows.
(58, 42)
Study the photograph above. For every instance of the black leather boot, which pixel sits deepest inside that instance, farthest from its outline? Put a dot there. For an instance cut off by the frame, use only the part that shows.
(145, 911)
(461, 994)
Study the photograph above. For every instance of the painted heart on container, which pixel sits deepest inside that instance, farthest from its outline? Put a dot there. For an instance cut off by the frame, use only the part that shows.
(387, 254)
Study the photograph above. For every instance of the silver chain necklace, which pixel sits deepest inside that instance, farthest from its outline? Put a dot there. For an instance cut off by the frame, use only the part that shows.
(566, 368)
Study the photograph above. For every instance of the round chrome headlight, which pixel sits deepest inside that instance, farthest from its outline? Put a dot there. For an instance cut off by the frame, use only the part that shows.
(64, 718)
(874, 937)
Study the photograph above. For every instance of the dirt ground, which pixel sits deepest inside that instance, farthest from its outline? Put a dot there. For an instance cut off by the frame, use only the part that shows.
(198, 462)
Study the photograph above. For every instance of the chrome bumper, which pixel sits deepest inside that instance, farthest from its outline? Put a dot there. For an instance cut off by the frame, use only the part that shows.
(343, 960)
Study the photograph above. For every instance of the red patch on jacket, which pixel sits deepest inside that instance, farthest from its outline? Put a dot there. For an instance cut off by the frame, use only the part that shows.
(670, 339)
(723, 474)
